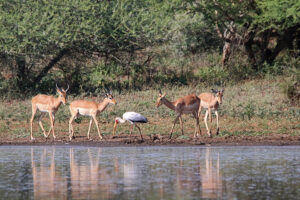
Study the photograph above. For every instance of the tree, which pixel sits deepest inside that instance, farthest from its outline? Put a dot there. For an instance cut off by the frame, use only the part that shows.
(263, 28)
(36, 35)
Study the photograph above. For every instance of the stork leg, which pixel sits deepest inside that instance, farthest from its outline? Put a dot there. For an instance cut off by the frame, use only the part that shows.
(139, 131)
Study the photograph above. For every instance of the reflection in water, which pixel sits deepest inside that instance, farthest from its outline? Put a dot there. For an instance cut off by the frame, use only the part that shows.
(210, 177)
(149, 173)
(48, 182)
(89, 179)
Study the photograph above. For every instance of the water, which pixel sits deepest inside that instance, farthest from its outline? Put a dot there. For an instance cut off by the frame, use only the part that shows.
(76, 172)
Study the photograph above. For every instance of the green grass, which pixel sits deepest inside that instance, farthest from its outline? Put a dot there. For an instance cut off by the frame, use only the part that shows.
(257, 107)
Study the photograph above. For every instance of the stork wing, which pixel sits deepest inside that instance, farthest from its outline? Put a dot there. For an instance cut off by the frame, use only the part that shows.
(135, 117)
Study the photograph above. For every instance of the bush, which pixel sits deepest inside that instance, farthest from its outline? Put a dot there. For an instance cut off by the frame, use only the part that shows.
(213, 75)
(292, 87)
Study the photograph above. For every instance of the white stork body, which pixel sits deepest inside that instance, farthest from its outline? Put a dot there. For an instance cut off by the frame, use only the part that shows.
(133, 118)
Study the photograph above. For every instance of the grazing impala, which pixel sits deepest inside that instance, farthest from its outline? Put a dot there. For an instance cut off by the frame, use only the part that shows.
(47, 104)
(89, 108)
(211, 101)
(185, 105)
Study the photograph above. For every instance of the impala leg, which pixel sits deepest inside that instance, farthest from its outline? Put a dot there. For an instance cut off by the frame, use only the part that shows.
(71, 131)
(41, 124)
(217, 116)
(197, 126)
(139, 131)
(174, 125)
(181, 124)
(199, 111)
(88, 134)
(34, 109)
(96, 122)
(205, 121)
(51, 115)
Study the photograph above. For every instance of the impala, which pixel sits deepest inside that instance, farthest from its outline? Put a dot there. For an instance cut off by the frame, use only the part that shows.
(185, 105)
(47, 104)
(89, 108)
(211, 101)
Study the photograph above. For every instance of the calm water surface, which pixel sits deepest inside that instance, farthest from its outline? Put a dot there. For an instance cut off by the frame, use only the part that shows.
(76, 172)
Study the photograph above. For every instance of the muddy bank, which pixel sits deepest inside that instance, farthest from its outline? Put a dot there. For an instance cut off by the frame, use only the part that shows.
(126, 140)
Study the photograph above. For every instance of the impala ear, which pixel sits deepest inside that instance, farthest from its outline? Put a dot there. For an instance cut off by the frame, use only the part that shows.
(160, 93)
(214, 91)
(164, 95)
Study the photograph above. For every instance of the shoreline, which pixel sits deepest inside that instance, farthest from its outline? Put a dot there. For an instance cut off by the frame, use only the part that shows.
(157, 140)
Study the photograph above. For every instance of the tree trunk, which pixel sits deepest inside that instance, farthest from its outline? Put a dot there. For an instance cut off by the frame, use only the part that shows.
(51, 64)
(226, 53)
(23, 78)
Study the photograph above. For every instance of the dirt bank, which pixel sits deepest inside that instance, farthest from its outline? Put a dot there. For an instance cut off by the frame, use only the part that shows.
(126, 140)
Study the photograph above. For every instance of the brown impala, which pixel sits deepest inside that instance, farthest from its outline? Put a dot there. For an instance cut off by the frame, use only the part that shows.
(211, 101)
(89, 108)
(185, 105)
(47, 104)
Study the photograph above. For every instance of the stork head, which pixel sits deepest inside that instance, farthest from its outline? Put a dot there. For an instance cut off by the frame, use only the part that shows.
(160, 99)
(117, 120)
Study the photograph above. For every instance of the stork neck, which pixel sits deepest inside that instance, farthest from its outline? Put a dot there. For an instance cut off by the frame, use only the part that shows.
(120, 120)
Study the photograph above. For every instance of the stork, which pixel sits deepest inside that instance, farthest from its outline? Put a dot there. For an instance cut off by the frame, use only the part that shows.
(133, 118)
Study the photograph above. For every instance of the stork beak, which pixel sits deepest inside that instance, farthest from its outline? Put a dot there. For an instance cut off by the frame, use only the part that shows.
(115, 127)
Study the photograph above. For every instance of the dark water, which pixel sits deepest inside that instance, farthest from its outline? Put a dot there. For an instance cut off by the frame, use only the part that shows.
(75, 172)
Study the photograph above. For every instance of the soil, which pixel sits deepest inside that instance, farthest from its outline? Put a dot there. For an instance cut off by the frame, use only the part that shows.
(158, 140)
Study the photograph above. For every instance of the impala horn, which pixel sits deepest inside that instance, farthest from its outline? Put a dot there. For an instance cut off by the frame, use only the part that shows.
(67, 88)
(58, 88)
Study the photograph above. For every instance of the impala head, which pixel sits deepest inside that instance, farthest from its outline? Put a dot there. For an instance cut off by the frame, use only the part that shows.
(218, 95)
(62, 94)
(160, 98)
(109, 98)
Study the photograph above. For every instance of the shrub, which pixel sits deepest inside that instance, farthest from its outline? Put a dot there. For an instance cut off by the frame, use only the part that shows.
(213, 75)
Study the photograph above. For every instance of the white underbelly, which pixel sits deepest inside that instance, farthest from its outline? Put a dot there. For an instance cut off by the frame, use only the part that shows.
(42, 108)
(84, 112)
(205, 105)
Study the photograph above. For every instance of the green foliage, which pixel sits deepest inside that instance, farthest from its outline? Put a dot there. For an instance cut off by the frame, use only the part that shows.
(292, 87)
(213, 75)
(278, 14)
